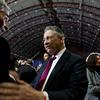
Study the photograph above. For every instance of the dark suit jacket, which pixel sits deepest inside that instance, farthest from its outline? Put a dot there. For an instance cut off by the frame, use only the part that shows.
(68, 79)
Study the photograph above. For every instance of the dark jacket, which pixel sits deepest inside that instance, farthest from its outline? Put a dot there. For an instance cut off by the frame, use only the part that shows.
(68, 79)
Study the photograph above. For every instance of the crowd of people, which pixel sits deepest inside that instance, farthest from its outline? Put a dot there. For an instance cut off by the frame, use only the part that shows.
(64, 76)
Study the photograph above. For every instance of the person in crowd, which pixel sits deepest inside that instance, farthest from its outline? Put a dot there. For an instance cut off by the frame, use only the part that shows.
(27, 72)
(13, 67)
(4, 61)
(13, 62)
(93, 75)
(4, 13)
(4, 45)
(45, 59)
(46, 56)
(66, 79)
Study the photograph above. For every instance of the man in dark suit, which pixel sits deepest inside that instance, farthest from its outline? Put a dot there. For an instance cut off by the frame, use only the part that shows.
(66, 79)
(67, 76)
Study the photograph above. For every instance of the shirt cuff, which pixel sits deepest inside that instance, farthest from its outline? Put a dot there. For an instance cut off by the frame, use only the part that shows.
(46, 95)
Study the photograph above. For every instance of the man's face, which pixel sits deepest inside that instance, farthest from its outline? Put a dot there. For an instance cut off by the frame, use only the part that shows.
(52, 42)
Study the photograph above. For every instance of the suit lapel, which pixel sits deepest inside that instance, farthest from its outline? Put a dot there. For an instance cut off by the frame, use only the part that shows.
(58, 67)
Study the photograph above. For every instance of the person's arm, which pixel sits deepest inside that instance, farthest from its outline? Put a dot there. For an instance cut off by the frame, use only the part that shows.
(95, 90)
(12, 91)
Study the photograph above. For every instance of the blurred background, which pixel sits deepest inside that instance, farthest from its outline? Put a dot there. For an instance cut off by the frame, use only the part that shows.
(78, 19)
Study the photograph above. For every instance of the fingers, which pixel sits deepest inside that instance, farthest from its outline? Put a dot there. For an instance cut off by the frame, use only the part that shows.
(9, 98)
(9, 91)
(9, 86)
(12, 91)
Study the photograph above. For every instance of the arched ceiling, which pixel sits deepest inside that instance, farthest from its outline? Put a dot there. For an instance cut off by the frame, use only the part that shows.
(79, 19)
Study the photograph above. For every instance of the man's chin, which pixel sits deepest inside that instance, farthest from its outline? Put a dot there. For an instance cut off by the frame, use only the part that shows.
(49, 51)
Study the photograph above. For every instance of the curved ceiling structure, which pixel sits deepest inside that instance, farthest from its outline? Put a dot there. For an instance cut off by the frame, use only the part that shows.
(79, 19)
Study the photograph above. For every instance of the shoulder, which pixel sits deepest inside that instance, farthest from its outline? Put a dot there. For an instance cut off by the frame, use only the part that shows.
(73, 56)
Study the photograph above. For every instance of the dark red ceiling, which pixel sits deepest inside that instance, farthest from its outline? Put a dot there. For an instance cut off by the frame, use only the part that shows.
(80, 22)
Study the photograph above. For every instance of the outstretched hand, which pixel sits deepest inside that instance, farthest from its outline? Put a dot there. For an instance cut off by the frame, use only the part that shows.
(13, 91)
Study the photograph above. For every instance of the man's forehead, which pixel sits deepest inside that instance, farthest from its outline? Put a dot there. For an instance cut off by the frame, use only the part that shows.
(50, 32)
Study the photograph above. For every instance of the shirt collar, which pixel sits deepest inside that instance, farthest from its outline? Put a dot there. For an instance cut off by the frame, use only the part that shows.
(59, 54)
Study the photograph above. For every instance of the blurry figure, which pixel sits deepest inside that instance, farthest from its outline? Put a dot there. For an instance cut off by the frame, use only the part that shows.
(21, 62)
(93, 75)
(5, 75)
(26, 72)
(46, 56)
(4, 45)
(45, 59)
(13, 62)
(4, 61)
(29, 62)
(37, 63)
(13, 67)
(4, 12)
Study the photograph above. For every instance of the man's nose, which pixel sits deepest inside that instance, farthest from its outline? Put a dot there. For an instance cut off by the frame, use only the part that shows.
(47, 41)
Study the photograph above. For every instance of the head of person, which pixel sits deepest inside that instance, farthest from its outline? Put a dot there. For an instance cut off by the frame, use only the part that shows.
(4, 56)
(53, 40)
(45, 56)
(93, 61)
(4, 13)
(27, 73)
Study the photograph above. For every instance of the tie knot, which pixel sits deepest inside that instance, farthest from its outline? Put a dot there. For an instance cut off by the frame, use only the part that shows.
(53, 58)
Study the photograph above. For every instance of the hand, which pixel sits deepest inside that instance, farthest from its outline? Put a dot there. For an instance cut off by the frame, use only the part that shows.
(15, 76)
(12, 91)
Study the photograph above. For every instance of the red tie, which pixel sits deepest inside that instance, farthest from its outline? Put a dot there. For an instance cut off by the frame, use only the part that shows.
(44, 74)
